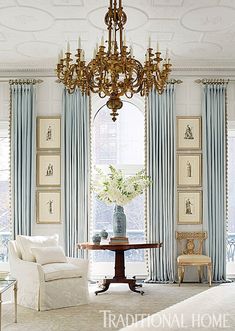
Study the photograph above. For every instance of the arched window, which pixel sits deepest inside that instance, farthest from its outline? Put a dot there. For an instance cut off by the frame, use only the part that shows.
(121, 144)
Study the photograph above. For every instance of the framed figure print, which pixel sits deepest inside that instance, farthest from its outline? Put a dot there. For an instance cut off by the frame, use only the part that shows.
(48, 207)
(189, 170)
(48, 132)
(189, 207)
(48, 169)
(188, 132)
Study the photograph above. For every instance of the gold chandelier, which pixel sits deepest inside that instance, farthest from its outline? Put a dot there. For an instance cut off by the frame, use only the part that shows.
(114, 72)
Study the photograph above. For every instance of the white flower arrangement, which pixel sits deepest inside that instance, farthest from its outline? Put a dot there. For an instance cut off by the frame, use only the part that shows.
(116, 188)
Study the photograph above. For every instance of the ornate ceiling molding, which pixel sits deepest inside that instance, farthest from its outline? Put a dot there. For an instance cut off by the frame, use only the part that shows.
(178, 72)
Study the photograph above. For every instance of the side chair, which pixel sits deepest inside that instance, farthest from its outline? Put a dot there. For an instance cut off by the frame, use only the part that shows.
(191, 254)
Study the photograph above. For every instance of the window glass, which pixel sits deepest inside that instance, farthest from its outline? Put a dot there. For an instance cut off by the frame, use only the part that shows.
(4, 192)
(121, 144)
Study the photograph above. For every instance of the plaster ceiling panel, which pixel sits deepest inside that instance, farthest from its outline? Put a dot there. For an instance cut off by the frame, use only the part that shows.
(183, 35)
(25, 19)
(190, 4)
(8, 4)
(65, 26)
(170, 13)
(68, 2)
(209, 18)
(61, 37)
(230, 3)
(71, 10)
(160, 36)
(220, 37)
(32, 31)
(37, 49)
(197, 50)
(159, 25)
(35, 3)
(2, 37)
(136, 18)
(167, 3)
(50, 3)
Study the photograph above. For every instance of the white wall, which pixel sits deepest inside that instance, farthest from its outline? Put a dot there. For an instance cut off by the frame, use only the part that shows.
(49, 102)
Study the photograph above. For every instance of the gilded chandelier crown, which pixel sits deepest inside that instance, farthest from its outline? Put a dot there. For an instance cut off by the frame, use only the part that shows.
(114, 72)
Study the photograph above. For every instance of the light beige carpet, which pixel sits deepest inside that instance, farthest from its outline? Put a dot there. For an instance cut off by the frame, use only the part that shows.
(106, 311)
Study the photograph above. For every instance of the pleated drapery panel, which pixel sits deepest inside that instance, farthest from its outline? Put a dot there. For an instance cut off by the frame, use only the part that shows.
(161, 169)
(214, 174)
(23, 153)
(75, 121)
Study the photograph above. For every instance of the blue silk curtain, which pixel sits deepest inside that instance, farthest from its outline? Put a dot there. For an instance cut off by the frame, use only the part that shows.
(161, 169)
(23, 152)
(214, 202)
(76, 169)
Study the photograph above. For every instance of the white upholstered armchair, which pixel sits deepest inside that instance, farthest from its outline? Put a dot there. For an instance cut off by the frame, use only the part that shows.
(44, 286)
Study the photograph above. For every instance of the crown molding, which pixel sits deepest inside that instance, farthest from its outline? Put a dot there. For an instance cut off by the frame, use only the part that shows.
(29, 72)
(178, 70)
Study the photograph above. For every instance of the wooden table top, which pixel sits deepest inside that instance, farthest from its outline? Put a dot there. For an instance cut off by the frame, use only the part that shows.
(119, 247)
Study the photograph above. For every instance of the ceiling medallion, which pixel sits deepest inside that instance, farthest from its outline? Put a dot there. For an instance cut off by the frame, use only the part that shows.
(114, 72)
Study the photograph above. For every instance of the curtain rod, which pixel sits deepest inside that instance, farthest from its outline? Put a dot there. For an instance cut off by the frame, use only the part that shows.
(174, 81)
(21, 81)
(213, 81)
(171, 81)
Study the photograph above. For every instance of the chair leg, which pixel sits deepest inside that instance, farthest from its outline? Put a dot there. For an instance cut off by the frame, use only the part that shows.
(179, 275)
(199, 269)
(182, 276)
(209, 271)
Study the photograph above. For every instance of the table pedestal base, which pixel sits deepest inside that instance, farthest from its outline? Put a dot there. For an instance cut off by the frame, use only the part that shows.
(104, 284)
(119, 268)
(119, 276)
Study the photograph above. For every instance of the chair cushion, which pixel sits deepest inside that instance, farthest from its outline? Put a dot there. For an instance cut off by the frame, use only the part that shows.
(45, 255)
(193, 258)
(25, 243)
(55, 271)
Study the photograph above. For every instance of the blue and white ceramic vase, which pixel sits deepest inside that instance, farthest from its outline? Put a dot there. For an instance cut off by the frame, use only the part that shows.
(96, 238)
(104, 234)
(119, 222)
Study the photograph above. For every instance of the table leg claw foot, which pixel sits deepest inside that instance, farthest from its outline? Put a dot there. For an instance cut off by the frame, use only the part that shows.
(104, 287)
(133, 289)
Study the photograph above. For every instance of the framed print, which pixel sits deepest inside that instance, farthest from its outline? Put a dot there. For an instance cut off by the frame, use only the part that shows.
(48, 169)
(48, 207)
(188, 132)
(48, 132)
(189, 170)
(189, 207)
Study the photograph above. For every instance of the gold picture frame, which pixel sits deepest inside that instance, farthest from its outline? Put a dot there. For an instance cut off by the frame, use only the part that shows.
(48, 133)
(189, 132)
(48, 207)
(189, 170)
(189, 207)
(48, 169)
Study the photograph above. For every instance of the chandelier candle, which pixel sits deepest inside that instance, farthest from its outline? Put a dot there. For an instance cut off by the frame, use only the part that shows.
(114, 72)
